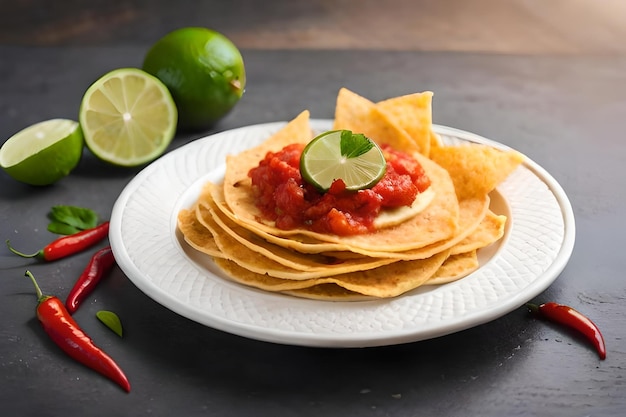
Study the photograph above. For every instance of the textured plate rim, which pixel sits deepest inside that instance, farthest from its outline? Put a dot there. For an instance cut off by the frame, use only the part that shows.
(127, 260)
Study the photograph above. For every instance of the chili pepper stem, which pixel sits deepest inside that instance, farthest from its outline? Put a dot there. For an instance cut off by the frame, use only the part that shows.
(40, 295)
(534, 308)
(23, 255)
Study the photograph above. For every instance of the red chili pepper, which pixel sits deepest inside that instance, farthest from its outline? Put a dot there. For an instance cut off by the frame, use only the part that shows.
(569, 317)
(65, 332)
(100, 263)
(69, 245)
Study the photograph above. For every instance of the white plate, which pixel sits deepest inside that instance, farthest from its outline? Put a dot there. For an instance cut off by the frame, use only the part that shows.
(538, 242)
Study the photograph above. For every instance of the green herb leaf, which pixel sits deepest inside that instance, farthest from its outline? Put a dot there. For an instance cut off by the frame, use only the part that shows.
(76, 218)
(62, 228)
(111, 320)
(354, 145)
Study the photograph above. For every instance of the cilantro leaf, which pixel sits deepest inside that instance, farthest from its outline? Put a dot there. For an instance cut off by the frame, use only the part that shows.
(71, 219)
(354, 145)
(62, 228)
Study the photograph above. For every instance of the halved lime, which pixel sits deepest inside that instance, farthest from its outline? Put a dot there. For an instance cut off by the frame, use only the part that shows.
(44, 152)
(341, 154)
(128, 117)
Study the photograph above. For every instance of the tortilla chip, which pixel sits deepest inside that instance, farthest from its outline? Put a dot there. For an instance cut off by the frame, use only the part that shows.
(265, 258)
(195, 234)
(454, 268)
(328, 292)
(358, 114)
(413, 113)
(298, 242)
(435, 141)
(476, 169)
(240, 235)
(297, 130)
(490, 230)
(471, 214)
(382, 282)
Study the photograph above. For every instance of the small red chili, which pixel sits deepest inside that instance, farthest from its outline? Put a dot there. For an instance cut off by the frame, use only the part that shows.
(68, 245)
(100, 263)
(569, 317)
(65, 332)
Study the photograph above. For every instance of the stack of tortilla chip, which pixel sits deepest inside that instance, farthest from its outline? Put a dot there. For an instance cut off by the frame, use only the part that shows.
(435, 245)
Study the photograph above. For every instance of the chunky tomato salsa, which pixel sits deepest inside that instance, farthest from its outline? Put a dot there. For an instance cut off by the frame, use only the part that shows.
(283, 196)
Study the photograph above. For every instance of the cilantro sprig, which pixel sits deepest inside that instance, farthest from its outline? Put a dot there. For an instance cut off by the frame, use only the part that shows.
(353, 145)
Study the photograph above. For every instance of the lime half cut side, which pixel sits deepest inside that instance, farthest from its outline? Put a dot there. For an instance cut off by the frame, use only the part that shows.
(43, 153)
(128, 117)
(340, 154)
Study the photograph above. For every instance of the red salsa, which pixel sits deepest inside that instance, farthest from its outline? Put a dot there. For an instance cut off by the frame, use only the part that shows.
(283, 196)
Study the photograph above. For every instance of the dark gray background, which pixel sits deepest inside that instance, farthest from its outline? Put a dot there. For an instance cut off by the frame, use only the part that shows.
(566, 113)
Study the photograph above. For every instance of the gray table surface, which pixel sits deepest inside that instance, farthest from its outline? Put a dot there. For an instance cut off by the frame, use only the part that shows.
(565, 113)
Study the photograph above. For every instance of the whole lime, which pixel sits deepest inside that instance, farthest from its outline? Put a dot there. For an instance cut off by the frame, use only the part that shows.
(43, 153)
(204, 72)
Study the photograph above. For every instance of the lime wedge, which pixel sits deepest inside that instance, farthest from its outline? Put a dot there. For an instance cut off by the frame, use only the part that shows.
(128, 117)
(340, 154)
(44, 152)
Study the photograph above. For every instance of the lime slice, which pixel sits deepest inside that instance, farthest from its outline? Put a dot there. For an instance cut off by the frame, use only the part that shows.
(128, 117)
(44, 152)
(341, 154)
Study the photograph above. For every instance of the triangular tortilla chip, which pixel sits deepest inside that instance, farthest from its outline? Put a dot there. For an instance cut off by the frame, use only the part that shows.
(360, 115)
(476, 169)
(413, 113)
